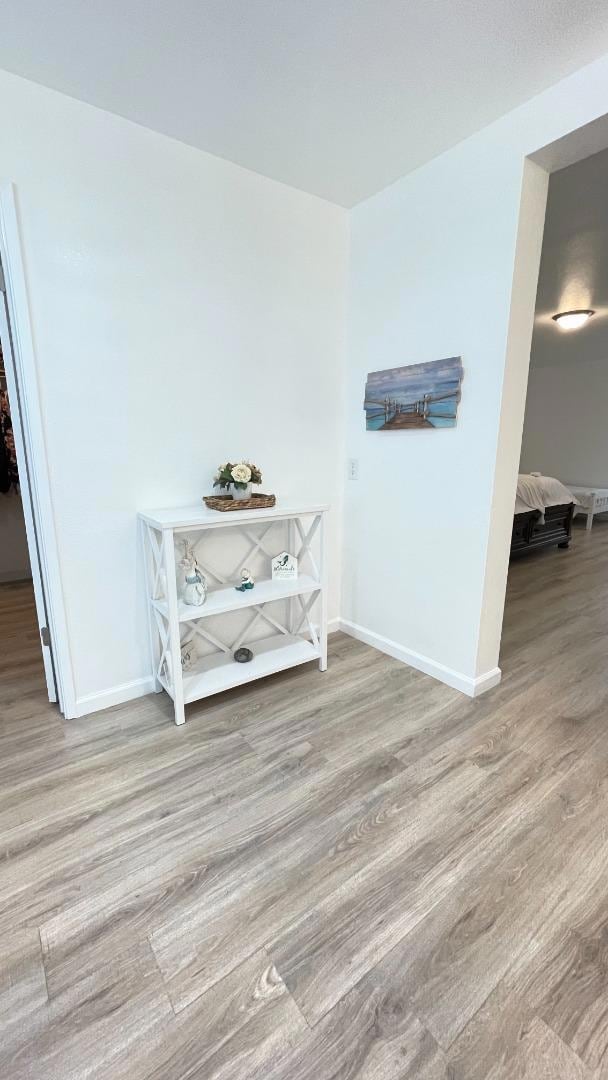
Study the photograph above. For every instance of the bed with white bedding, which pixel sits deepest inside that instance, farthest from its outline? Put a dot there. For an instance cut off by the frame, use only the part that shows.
(544, 508)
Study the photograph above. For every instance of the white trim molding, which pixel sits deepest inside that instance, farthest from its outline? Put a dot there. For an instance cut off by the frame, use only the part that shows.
(115, 695)
(473, 687)
(119, 695)
(35, 444)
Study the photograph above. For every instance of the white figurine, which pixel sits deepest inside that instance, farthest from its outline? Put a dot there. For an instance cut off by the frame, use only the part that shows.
(247, 581)
(194, 590)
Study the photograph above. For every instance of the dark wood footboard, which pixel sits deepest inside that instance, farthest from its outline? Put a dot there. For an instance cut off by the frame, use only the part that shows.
(529, 535)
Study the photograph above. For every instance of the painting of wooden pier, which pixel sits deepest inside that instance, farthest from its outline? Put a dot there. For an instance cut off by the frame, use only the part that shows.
(415, 396)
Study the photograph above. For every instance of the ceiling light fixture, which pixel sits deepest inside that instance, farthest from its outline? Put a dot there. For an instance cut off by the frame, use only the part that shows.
(571, 320)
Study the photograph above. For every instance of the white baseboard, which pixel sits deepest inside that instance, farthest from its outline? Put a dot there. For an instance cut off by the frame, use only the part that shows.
(486, 681)
(473, 687)
(116, 695)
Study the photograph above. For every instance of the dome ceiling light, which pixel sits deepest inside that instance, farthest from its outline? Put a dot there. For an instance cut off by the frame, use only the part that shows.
(572, 320)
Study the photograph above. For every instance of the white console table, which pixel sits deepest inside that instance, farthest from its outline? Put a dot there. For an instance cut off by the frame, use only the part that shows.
(296, 639)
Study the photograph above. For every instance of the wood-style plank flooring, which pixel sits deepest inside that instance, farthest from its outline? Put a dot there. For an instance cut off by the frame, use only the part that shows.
(356, 874)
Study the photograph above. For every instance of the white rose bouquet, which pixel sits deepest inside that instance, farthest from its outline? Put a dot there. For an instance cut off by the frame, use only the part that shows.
(237, 475)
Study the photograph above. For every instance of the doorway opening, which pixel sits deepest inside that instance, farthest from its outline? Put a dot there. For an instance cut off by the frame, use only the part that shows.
(14, 555)
(26, 642)
(32, 618)
(559, 541)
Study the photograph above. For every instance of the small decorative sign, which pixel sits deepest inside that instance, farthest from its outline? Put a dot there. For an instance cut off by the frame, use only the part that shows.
(284, 567)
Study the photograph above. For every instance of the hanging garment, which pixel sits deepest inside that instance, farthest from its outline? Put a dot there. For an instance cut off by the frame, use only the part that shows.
(9, 472)
(5, 482)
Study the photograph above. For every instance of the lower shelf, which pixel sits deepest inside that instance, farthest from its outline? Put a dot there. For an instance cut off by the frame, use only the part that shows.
(220, 672)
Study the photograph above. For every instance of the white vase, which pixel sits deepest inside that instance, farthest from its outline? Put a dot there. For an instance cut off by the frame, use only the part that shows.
(239, 494)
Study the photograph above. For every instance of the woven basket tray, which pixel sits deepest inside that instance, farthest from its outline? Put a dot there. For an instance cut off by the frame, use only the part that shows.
(226, 502)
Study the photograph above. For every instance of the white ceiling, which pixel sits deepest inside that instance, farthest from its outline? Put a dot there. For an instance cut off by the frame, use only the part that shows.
(338, 97)
(574, 265)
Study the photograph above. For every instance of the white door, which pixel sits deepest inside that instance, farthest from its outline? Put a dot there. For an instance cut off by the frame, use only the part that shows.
(26, 494)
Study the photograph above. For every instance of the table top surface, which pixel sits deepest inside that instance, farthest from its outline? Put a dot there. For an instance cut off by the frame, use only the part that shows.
(191, 517)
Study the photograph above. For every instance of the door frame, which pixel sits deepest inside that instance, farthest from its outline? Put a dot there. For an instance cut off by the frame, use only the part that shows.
(31, 447)
(575, 145)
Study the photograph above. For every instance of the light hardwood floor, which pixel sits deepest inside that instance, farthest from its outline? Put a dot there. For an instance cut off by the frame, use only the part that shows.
(357, 874)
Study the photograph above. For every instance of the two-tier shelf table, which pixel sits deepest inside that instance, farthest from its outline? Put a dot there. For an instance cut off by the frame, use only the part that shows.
(284, 623)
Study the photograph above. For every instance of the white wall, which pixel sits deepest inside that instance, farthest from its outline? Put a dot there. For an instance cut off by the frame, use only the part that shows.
(433, 260)
(14, 559)
(184, 310)
(565, 429)
(167, 290)
(566, 425)
(574, 268)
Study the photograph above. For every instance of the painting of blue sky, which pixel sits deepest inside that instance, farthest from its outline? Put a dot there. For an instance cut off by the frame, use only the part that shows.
(416, 396)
